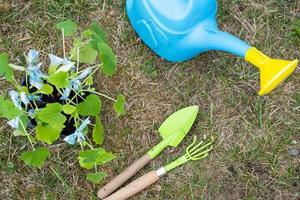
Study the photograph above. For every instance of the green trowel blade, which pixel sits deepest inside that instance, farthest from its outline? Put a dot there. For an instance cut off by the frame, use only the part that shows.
(176, 126)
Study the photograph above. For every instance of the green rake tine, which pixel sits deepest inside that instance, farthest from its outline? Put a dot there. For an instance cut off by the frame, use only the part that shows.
(193, 152)
(196, 157)
(191, 149)
(191, 145)
(195, 147)
(200, 149)
(204, 156)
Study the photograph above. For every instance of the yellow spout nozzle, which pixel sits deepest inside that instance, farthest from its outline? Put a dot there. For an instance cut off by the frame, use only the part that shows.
(272, 72)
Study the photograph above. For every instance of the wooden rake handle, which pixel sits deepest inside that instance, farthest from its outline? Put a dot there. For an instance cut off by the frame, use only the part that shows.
(124, 176)
(135, 187)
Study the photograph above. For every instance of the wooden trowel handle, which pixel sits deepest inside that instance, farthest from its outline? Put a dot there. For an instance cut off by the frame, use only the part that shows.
(124, 176)
(135, 186)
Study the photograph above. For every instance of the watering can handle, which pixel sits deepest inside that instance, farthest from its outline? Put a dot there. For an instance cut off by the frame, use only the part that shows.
(135, 186)
(124, 176)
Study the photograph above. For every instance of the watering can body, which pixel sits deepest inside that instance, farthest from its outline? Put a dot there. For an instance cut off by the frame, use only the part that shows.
(178, 30)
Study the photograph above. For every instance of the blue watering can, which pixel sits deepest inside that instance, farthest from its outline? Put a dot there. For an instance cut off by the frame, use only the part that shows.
(178, 30)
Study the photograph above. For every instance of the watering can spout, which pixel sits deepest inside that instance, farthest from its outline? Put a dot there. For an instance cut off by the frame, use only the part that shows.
(272, 71)
(215, 39)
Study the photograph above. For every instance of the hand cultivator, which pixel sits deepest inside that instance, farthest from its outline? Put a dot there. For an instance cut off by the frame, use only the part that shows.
(196, 151)
(173, 131)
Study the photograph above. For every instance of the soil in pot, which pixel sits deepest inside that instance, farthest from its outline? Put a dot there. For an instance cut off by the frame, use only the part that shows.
(53, 98)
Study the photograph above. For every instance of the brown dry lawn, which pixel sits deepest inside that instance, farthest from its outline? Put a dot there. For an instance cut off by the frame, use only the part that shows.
(254, 134)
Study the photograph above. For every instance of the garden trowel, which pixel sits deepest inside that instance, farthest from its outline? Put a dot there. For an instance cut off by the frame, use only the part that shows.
(173, 131)
(196, 151)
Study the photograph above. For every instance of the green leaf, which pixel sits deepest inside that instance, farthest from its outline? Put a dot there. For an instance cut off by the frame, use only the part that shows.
(87, 33)
(8, 109)
(68, 27)
(46, 133)
(52, 69)
(36, 158)
(90, 107)
(60, 79)
(96, 177)
(23, 123)
(120, 104)
(106, 55)
(24, 89)
(69, 109)
(89, 158)
(98, 132)
(86, 165)
(5, 69)
(18, 132)
(108, 59)
(98, 36)
(97, 30)
(46, 89)
(89, 80)
(32, 138)
(87, 55)
(16, 67)
(51, 114)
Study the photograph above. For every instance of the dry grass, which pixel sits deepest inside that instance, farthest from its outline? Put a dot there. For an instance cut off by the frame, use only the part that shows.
(250, 160)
